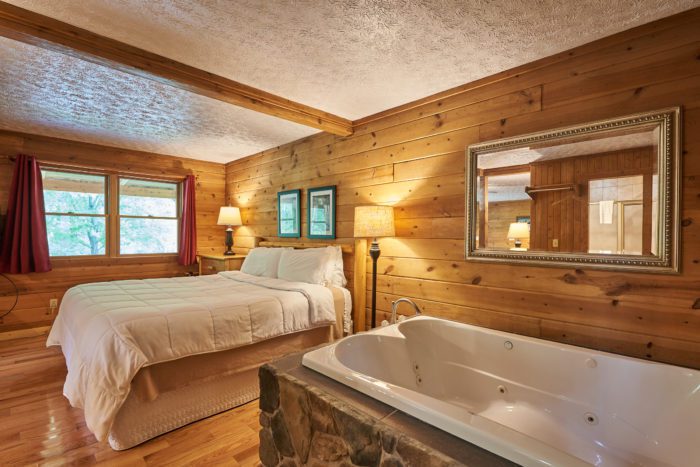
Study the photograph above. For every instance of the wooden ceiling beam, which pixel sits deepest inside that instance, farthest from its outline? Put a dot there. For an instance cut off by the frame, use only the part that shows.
(45, 32)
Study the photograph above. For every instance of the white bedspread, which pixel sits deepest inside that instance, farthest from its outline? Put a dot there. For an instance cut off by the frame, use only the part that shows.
(109, 330)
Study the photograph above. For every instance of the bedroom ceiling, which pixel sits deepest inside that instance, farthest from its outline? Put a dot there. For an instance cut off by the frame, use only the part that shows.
(52, 94)
(352, 58)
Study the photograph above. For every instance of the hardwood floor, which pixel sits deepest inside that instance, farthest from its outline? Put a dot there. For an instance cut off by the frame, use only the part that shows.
(39, 427)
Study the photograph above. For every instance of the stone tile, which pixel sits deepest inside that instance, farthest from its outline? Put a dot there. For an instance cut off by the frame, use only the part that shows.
(361, 435)
(327, 448)
(280, 434)
(269, 388)
(268, 451)
(295, 404)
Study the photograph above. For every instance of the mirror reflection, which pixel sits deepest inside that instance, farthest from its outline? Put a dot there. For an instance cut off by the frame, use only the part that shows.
(595, 195)
(600, 193)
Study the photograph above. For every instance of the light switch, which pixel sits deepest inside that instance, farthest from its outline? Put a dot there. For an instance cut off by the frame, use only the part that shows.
(555, 243)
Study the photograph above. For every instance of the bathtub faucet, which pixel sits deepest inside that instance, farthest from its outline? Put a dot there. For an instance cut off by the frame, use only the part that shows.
(395, 305)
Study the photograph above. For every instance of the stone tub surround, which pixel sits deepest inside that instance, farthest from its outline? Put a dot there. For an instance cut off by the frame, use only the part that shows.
(309, 419)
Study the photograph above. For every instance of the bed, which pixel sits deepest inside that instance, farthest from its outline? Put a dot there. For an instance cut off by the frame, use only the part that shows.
(145, 357)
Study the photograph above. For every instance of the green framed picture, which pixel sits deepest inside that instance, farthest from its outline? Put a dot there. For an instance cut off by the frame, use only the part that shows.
(289, 213)
(321, 212)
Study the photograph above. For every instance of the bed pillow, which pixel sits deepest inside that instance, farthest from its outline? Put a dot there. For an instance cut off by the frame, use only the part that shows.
(262, 261)
(310, 265)
(334, 272)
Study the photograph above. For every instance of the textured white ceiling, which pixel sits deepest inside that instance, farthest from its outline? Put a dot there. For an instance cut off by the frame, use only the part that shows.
(352, 57)
(51, 94)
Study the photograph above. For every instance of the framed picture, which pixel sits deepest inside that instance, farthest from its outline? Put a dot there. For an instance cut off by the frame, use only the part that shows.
(522, 219)
(321, 212)
(289, 213)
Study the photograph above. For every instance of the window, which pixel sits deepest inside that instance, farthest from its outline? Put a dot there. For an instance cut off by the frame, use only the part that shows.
(90, 214)
(147, 217)
(75, 213)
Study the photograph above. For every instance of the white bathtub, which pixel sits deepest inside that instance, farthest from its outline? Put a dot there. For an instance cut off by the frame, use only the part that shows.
(531, 401)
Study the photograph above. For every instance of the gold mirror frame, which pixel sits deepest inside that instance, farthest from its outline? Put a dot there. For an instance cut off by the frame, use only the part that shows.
(667, 262)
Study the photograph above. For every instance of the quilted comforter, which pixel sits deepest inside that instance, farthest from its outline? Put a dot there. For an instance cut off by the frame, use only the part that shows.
(109, 330)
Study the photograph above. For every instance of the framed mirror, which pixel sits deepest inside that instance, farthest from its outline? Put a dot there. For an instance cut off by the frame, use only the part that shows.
(604, 194)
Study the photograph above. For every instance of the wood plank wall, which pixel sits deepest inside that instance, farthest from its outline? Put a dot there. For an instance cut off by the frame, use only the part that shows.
(501, 215)
(413, 158)
(36, 289)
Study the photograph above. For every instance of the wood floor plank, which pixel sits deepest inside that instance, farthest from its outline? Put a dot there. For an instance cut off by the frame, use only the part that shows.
(39, 427)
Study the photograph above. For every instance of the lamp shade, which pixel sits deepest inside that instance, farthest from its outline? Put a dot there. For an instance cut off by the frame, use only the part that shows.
(374, 221)
(229, 215)
(519, 230)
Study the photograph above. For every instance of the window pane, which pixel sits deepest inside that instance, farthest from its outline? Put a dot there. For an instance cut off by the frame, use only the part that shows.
(75, 235)
(144, 236)
(68, 192)
(147, 198)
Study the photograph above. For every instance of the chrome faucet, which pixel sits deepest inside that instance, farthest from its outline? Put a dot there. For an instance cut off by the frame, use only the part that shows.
(395, 305)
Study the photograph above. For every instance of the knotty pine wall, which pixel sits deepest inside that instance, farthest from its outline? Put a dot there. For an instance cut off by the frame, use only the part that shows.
(501, 215)
(412, 157)
(37, 288)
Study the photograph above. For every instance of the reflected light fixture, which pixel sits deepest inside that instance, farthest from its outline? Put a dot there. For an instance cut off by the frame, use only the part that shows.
(518, 231)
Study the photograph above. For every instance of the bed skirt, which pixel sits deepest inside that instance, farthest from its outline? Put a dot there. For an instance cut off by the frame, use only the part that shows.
(143, 417)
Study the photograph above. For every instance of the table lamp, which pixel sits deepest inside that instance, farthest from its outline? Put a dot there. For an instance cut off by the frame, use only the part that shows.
(229, 216)
(372, 222)
(517, 231)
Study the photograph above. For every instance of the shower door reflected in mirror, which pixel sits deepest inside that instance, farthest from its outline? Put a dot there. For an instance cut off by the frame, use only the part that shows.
(602, 194)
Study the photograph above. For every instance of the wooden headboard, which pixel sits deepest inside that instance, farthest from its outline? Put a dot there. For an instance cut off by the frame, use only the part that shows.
(354, 264)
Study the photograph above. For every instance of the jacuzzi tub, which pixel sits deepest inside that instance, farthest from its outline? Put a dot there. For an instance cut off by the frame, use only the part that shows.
(531, 401)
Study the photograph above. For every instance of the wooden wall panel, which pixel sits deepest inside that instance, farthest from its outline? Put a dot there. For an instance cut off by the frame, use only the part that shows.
(36, 289)
(412, 158)
(501, 215)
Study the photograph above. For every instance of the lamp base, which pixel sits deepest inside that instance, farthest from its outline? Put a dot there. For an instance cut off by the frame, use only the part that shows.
(374, 253)
(229, 242)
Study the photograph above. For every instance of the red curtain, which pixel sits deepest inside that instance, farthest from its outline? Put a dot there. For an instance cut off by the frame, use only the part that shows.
(25, 246)
(188, 224)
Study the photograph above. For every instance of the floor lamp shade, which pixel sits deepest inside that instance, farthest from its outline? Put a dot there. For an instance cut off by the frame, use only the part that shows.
(229, 216)
(373, 222)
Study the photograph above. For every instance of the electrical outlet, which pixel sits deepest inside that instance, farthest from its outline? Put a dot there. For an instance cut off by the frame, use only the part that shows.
(555, 243)
(53, 303)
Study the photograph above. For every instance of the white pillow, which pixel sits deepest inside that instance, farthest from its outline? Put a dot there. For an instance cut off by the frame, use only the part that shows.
(335, 275)
(262, 261)
(308, 265)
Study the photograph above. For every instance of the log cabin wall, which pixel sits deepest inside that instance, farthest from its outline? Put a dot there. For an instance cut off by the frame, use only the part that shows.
(36, 289)
(563, 215)
(412, 157)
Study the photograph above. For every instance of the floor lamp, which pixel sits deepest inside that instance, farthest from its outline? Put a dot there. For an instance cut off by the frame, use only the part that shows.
(372, 222)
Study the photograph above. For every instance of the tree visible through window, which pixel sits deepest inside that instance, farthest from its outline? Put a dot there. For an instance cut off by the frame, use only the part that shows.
(147, 216)
(75, 213)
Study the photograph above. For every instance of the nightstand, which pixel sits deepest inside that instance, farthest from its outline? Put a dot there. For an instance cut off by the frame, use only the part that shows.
(212, 264)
